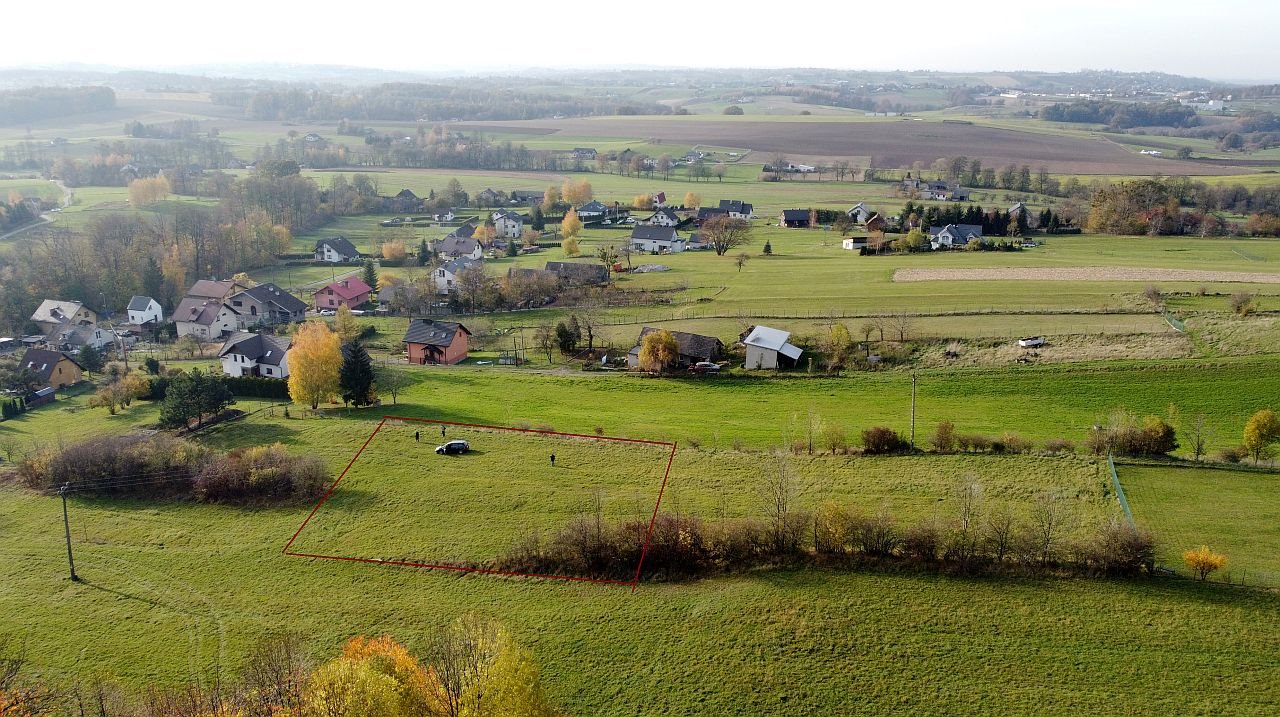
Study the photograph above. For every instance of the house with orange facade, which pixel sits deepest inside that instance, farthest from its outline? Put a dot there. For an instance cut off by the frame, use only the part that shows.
(351, 293)
(440, 342)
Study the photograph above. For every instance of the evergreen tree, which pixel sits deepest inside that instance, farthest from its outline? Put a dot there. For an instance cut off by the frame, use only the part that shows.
(370, 275)
(537, 220)
(90, 359)
(424, 253)
(513, 248)
(768, 248)
(355, 378)
(152, 279)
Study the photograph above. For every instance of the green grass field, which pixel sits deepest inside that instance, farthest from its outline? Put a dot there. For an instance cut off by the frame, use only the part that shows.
(1233, 512)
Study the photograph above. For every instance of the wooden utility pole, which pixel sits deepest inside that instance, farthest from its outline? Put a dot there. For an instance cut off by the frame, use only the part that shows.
(913, 413)
(66, 524)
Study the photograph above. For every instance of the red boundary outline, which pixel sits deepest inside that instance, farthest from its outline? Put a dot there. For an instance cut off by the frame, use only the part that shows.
(633, 583)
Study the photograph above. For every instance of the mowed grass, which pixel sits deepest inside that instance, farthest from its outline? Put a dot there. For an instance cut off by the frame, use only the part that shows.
(400, 501)
(1236, 513)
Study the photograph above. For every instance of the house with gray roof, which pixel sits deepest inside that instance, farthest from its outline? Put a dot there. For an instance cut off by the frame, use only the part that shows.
(657, 240)
(693, 348)
(436, 342)
(145, 310)
(247, 354)
(446, 275)
(53, 314)
(336, 250)
(770, 348)
(953, 236)
(576, 273)
(265, 305)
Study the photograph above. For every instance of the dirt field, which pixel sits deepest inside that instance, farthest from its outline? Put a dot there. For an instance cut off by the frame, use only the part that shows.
(1060, 349)
(892, 143)
(1084, 273)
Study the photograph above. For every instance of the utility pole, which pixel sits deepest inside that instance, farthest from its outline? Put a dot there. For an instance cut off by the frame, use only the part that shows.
(66, 524)
(913, 413)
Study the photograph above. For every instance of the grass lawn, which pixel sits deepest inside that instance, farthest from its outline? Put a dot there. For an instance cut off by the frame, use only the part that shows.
(1236, 513)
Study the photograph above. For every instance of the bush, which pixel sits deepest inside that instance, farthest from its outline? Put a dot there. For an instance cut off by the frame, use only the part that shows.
(1243, 304)
(974, 442)
(1202, 561)
(943, 439)
(1055, 446)
(1232, 455)
(1016, 443)
(874, 536)
(881, 440)
(1118, 548)
(1124, 437)
(258, 387)
(261, 472)
(921, 542)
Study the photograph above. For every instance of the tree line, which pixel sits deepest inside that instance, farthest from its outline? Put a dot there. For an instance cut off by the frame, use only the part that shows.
(1122, 115)
(37, 103)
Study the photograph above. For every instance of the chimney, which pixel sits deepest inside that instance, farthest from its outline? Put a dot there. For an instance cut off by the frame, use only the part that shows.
(345, 284)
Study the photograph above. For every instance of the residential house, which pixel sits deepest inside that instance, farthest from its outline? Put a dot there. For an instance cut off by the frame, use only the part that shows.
(436, 342)
(312, 137)
(665, 217)
(657, 240)
(145, 310)
(953, 236)
(266, 305)
(446, 276)
(350, 292)
(203, 317)
(859, 213)
(737, 209)
(52, 368)
(456, 247)
(796, 218)
(53, 314)
(693, 348)
(912, 184)
(592, 211)
(445, 216)
(404, 202)
(584, 153)
(957, 194)
(72, 337)
(256, 355)
(770, 348)
(487, 197)
(526, 198)
(390, 297)
(575, 273)
(508, 225)
(1019, 214)
(659, 200)
(876, 223)
(705, 213)
(336, 250)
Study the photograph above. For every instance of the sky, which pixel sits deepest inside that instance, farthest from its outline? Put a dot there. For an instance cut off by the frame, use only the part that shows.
(1218, 39)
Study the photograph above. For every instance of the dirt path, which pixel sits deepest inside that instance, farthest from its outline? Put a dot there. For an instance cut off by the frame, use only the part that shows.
(1085, 273)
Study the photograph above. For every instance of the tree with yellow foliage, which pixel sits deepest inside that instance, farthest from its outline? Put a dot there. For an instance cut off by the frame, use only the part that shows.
(571, 225)
(570, 246)
(1202, 561)
(658, 350)
(386, 281)
(578, 192)
(148, 190)
(692, 200)
(550, 198)
(642, 201)
(314, 361)
(394, 250)
(1260, 432)
(345, 324)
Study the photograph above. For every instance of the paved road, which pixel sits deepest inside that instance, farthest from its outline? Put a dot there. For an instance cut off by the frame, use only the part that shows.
(47, 217)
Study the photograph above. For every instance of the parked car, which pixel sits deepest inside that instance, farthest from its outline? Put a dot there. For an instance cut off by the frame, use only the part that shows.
(1031, 342)
(704, 367)
(453, 448)
(328, 312)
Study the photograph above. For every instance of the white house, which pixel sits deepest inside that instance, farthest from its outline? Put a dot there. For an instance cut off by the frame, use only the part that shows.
(859, 213)
(953, 236)
(204, 317)
(509, 225)
(657, 240)
(770, 348)
(446, 277)
(854, 243)
(592, 210)
(144, 310)
(737, 209)
(336, 250)
(665, 217)
(255, 355)
(445, 216)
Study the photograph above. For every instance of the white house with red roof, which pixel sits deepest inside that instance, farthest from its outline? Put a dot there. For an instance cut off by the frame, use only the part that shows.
(350, 292)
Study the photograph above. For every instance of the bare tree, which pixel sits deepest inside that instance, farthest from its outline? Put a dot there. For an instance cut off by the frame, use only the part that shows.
(462, 655)
(392, 379)
(901, 323)
(999, 530)
(725, 233)
(965, 538)
(741, 260)
(274, 675)
(544, 337)
(1047, 515)
(1199, 435)
(778, 492)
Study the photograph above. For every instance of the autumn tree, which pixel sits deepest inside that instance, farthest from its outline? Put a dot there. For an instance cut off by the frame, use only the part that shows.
(1202, 561)
(314, 361)
(692, 200)
(658, 350)
(607, 254)
(148, 190)
(724, 233)
(642, 201)
(578, 192)
(345, 324)
(394, 250)
(550, 198)
(571, 225)
(570, 246)
(1260, 432)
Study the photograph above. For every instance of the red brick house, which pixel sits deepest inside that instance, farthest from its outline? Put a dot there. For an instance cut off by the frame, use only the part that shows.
(430, 341)
(351, 293)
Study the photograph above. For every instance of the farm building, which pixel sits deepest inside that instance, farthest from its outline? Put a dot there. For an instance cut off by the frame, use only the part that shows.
(770, 348)
(953, 236)
(585, 153)
(436, 342)
(337, 250)
(796, 218)
(854, 243)
(693, 348)
(350, 292)
(576, 273)
(255, 355)
(657, 240)
(528, 198)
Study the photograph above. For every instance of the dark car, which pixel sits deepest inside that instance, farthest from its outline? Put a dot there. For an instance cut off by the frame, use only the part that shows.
(453, 448)
(703, 368)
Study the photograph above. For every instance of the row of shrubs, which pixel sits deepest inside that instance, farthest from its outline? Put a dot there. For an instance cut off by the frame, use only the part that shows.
(685, 546)
(163, 466)
(12, 408)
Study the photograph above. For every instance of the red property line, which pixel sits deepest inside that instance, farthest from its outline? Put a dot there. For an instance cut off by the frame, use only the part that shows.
(633, 583)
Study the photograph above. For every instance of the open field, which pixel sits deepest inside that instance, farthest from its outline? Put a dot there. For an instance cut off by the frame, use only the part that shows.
(1235, 512)
(1084, 273)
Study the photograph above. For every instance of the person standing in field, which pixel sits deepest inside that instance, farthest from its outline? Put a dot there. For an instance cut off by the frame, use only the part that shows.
(417, 436)
(553, 460)
(442, 427)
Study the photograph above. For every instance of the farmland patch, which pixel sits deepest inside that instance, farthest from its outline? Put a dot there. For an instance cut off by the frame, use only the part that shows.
(1083, 273)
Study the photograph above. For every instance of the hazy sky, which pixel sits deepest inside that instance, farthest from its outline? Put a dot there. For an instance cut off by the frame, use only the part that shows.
(1220, 39)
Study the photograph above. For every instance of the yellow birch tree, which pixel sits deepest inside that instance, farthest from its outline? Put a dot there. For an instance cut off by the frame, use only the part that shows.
(314, 361)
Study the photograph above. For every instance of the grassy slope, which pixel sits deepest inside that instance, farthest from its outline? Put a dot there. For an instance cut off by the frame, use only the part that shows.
(1234, 512)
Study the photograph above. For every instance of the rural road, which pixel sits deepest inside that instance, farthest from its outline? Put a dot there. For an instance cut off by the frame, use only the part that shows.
(45, 218)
